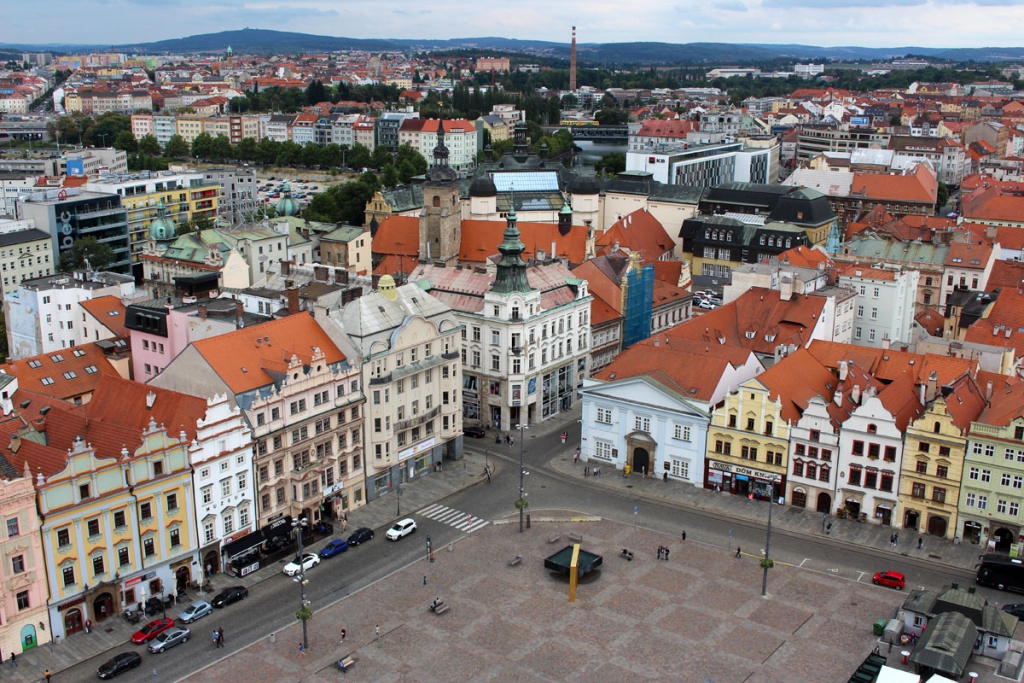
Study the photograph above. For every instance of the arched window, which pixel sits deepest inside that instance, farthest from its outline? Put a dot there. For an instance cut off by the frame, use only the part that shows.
(936, 427)
(437, 200)
(872, 429)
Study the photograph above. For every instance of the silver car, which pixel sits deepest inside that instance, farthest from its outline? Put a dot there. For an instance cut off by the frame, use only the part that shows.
(169, 638)
(197, 610)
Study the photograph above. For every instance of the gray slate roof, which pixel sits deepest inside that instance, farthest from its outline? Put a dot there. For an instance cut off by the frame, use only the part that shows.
(946, 644)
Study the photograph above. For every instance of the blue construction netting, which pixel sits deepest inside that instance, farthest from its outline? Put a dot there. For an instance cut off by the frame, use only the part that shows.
(639, 302)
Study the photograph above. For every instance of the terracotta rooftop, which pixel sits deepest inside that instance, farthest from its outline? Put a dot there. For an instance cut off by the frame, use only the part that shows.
(251, 357)
(887, 365)
(638, 231)
(1007, 403)
(397, 235)
(109, 312)
(759, 320)
(480, 240)
(63, 374)
(795, 380)
(921, 186)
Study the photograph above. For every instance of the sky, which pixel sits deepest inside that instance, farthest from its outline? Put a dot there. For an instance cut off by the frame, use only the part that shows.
(867, 23)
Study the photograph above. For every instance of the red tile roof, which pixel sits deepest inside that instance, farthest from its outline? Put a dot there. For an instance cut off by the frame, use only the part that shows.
(397, 235)
(901, 400)
(921, 186)
(1007, 403)
(245, 365)
(109, 312)
(887, 365)
(806, 257)
(795, 380)
(931, 321)
(638, 231)
(697, 371)
(480, 240)
(759, 320)
(64, 374)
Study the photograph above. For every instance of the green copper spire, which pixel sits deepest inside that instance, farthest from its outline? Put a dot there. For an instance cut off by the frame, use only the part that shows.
(511, 275)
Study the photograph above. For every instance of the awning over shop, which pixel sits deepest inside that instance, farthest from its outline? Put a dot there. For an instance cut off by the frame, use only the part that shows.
(244, 544)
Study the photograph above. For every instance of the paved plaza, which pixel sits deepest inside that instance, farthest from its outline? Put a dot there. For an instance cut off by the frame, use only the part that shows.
(698, 616)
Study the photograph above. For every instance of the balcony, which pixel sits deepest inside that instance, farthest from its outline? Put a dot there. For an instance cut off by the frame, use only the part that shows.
(381, 379)
(418, 420)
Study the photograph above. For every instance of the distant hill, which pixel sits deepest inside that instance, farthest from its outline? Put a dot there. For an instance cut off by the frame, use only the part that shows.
(263, 41)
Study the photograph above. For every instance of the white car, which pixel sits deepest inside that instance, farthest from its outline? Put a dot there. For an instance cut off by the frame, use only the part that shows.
(401, 528)
(309, 560)
(706, 305)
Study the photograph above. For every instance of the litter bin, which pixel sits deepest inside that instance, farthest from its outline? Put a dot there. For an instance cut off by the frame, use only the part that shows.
(629, 468)
(879, 627)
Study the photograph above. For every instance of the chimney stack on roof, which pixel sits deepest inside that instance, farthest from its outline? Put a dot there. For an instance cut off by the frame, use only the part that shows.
(292, 297)
(933, 384)
(855, 395)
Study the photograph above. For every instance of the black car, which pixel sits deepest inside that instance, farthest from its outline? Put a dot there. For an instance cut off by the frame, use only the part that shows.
(475, 432)
(119, 664)
(1016, 609)
(359, 535)
(230, 595)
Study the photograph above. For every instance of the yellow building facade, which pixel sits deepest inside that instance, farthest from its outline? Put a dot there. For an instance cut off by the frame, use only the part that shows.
(933, 464)
(748, 444)
(117, 529)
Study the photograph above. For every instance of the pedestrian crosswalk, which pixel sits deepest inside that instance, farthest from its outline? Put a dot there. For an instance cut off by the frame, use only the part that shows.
(462, 521)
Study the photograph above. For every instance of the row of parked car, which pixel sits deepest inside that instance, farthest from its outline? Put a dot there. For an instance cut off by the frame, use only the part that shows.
(162, 634)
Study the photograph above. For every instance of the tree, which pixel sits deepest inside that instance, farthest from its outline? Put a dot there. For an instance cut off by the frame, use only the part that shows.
(149, 146)
(126, 141)
(176, 148)
(612, 163)
(315, 92)
(221, 148)
(611, 117)
(358, 157)
(943, 196)
(100, 255)
(408, 153)
(246, 149)
(554, 111)
(202, 146)
(389, 176)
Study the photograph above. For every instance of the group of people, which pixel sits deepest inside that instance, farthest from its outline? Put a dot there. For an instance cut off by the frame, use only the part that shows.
(435, 604)
(894, 539)
(587, 471)
(218, 637)
(662, 552)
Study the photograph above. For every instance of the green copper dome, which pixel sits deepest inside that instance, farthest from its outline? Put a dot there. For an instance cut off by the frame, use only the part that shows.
(162, 228)
(287, 205)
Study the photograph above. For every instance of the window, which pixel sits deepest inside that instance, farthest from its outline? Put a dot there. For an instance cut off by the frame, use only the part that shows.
(68, 575)
(887, 480)
(93, 526)
(941, 471)
(982, 502)
(750, 424)
(207, 492)
(97, 565)
(969, 501)
(890, 454)
(798, 468)
(18, 564)
(938, 494)
(23, 602)
(83, 491)
(172, 502)
(12, 527)
(922, 467)
(119, 519)
(873, 449)
(973, 473)
(768, 427)
(855, 476)
(63, 537)
(986, 476)
(145, 510)
(682, 432)
(603, 450)
(148, 547)
(641, 423)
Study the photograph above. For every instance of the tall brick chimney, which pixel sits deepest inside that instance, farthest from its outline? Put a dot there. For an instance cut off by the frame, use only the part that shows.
(572, 63)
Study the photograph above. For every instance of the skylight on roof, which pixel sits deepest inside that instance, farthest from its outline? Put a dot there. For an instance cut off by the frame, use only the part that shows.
(34, 364)
(537, 181)
(57, 358)
(79, 353)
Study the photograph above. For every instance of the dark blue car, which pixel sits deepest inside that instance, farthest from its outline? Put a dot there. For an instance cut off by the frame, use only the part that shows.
(338, 545)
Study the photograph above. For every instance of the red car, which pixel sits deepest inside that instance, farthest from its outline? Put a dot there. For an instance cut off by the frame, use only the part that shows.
(151, 630)
(890, 580)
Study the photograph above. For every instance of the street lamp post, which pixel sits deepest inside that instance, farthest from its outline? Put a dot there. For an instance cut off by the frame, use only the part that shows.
(297, 527)
(522, 477)
(767, 563)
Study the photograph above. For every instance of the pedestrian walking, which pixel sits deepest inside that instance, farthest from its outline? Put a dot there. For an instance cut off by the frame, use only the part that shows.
(576, 458)
(563, 437)
(666, 554)
(659, 552)
(586, 471)
(488, 473)
(511, 441)
(664, 477)
(737, 551)
(47, 674)
(215, 637)
(828, 529)
(14, 659)
(896, 538)
(302, 650)
(220, 636)
(684, 536)
(376, 632)
(343, 634)
(920, 542)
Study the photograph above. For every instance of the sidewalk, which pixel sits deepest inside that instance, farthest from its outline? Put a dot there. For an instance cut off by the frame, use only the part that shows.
(797, 520)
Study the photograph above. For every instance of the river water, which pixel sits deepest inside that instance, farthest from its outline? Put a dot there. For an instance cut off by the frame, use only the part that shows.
(591, 151)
